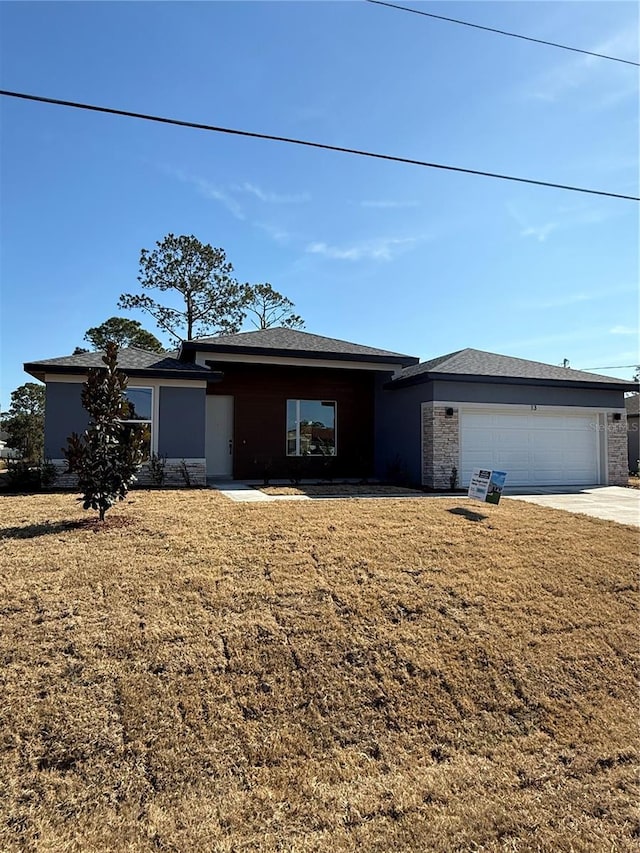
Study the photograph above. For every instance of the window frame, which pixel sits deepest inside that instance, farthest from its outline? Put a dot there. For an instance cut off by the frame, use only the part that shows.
(150, 420)
(298, 454)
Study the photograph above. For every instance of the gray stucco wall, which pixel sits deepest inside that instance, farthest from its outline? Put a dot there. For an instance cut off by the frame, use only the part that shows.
(398, 425)
(63, 415)
(539, 395)
(181, 428)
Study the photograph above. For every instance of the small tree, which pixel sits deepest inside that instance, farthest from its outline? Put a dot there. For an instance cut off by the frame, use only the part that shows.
(24, 422)
(268, 308)
(107, 456)
(201, 276)
(123, 332)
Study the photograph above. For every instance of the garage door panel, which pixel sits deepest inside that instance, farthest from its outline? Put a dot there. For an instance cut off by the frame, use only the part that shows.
(533, 448)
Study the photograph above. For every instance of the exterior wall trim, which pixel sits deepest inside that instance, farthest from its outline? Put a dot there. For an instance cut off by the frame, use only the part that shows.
(202, 357)
(525, 407)
(134, 381)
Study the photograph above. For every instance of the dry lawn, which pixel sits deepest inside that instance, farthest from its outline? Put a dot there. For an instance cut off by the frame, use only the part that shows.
(376, 676)
(347, 490)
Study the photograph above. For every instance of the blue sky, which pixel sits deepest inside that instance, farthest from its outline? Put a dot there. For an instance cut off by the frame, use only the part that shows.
(390, 255)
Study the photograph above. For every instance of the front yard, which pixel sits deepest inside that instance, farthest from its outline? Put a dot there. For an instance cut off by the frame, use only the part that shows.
(382, 675)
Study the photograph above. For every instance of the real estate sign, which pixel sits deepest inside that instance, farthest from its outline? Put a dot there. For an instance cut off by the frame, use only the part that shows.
(486, 486)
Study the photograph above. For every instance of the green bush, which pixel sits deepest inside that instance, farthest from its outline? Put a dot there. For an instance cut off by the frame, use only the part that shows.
(23, 476)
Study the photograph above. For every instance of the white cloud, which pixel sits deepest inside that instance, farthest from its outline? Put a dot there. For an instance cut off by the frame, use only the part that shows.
(389, 204)
(562, 300)
(561, 218)
(540, 232)
(271, 197)
(208, 190)
(623, 330)
(608, 82)
(373, 250)
(280, 235)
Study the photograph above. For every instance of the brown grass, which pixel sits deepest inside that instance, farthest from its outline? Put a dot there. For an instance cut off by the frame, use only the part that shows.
(425, 675)
(347, 490)
(634, 482)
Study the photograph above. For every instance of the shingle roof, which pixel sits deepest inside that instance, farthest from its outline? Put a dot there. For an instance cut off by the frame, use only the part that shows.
(473, 362)
(292, 340)
(131, 359)
(632, 405)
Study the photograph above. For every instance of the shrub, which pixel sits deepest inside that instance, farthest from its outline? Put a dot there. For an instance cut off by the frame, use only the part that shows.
(184, 471)
(23, 476)
(156, 469)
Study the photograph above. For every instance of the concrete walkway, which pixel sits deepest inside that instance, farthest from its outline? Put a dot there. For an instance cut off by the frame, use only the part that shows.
(244, 493)
(612, 503)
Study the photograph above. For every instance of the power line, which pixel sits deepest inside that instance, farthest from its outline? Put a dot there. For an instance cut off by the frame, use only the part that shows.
(503, 32)
(323, 146)
(614, 367)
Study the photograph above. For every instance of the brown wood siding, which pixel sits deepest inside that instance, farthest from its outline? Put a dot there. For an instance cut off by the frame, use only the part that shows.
(260, 394)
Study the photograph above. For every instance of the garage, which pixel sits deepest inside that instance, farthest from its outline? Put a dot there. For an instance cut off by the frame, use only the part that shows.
(535, 447)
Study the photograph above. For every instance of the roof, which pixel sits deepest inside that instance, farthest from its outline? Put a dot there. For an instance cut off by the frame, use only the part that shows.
(282, 341)
(632, 405)
(472, 364)
(133, 360)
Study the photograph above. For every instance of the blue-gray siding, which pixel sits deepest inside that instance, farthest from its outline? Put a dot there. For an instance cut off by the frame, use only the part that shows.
(524, 395)
(181, 428)
(398, 421)
(63, 415)
(398, 448)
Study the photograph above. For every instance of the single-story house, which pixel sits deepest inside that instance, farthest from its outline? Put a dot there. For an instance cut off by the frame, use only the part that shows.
(7, 452)
(632, 405)
(282, 403)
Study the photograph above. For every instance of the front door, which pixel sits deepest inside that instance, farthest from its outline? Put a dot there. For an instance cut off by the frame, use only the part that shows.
(219, 441)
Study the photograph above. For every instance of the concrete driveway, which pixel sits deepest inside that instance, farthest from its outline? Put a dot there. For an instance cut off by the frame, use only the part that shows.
(613, 503)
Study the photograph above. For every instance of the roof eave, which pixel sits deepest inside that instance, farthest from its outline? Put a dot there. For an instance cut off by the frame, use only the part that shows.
(403, 360)
(39, 370)
(429, 376)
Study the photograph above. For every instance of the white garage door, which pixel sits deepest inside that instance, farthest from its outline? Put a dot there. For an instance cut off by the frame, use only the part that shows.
(534, 448)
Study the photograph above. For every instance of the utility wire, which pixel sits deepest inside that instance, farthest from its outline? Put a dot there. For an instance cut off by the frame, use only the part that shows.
(290, 141)
(503, 32)
(614, 367)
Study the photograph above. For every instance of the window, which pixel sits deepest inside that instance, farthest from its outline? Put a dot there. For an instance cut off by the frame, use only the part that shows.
(311, 428)
(137, 415)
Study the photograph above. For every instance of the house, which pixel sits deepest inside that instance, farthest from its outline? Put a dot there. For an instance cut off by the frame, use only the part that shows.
(282, 403)
(7, 452)
(632, 405)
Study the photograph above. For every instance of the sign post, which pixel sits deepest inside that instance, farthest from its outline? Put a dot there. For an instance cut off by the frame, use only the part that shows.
(486, 486)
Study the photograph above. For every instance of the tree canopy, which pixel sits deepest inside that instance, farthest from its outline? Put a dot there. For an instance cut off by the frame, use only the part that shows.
(266, 308)
(211, 300)
(24, 422)
(124, 333)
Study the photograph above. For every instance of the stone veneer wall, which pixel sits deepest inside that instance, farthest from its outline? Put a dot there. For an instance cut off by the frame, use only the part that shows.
(617, 451)
(440, 446)
(173, 474)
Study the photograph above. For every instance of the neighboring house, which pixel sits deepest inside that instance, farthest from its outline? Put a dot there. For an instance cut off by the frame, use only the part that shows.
(7, 452)
(282, 404)
(632, 405)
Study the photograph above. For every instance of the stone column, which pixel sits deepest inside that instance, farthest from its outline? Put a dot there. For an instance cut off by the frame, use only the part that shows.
(440, 445)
